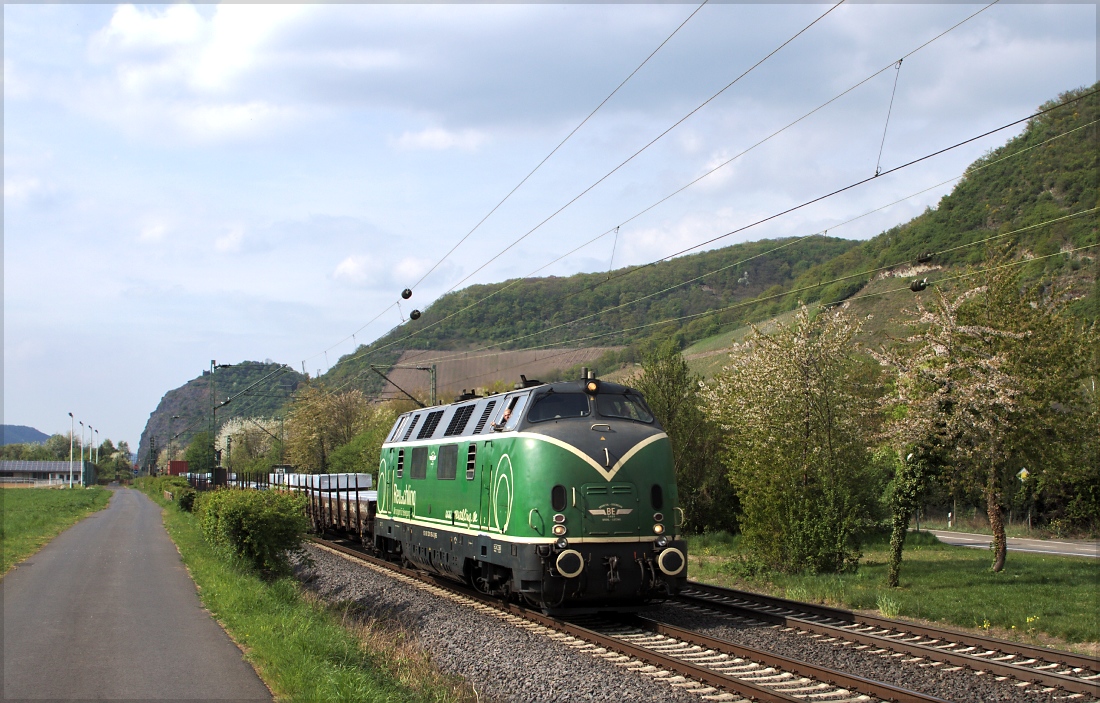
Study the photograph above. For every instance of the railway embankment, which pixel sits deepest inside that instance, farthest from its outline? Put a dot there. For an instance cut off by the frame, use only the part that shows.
(302, 647)
(502, 659)
(1040, 599)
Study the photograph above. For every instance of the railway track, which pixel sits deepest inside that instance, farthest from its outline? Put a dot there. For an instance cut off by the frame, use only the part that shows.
(711, 668)
(1037, 665)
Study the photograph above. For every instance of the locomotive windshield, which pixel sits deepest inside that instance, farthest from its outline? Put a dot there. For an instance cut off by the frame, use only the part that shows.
(555, 406)
(629, 406)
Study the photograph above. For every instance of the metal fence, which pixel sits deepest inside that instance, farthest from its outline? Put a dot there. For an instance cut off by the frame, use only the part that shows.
(37, 482)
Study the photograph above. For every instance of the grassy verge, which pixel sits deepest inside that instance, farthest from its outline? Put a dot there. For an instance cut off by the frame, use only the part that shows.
(34, 516)
(305, 650)
(1043, 599)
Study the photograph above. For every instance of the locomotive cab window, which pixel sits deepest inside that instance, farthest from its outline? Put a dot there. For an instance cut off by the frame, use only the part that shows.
(446, 463)
(509, 417)
(629, 406)
(418, 467)
(556, 406)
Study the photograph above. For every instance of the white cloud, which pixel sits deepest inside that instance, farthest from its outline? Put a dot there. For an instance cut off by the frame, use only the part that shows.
(437, 139)
(21, 188)
(140, 31)
(152, 233)
(230, 241)
(373, 272)
(353, 269)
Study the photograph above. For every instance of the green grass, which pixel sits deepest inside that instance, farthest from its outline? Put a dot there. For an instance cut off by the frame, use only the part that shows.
(302, 649)
(1039, 598)
(34, 516)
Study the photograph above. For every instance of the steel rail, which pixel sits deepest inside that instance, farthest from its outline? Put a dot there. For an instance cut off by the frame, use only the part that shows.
(698, 673)
(1045, 653)
(819, 673)
(785, 612)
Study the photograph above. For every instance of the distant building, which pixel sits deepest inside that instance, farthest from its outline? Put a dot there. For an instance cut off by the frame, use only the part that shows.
(45, 471)
(177, 468)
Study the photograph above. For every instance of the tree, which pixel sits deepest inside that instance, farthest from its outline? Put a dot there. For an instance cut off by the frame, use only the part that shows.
(200, 454)
(362, 453)
(250, 444)
(910, 479)
(993, 376)
(673, 394)
(319, 422)
(795, 407)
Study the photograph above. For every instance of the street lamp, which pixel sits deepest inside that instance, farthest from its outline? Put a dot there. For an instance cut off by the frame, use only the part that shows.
(91, 441)
(81, 452)
(72, 436)
(97, 448)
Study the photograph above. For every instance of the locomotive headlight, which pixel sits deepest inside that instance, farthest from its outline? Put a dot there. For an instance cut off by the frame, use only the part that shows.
(559, 530)
(592, 386)
(658, 517)
(658, 529)
(662, 541)
(559, 518)
(562, 543)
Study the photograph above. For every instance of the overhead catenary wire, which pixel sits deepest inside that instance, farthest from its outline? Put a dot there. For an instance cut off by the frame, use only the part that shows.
(653, 141)
(706, 174)
(559, 146)
(856, 184)
(766, 219)
(710, 172)
(780, 295)
(821, 284)
(889, 111)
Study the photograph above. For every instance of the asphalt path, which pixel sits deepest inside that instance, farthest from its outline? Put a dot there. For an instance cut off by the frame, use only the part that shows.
(1076, 548)
(107, 611)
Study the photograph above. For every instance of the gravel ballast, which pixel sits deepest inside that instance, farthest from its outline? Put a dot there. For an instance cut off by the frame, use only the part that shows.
(506, 662)
(962, 685)
(501, 661)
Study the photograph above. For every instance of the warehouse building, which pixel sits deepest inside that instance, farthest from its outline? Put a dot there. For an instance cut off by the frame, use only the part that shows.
(46, 472)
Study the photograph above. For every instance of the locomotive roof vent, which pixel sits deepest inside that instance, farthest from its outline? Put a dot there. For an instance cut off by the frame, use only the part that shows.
(466, 395)
(527, 383)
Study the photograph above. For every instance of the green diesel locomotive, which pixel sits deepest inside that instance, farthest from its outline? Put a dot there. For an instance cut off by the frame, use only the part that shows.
(560, 493)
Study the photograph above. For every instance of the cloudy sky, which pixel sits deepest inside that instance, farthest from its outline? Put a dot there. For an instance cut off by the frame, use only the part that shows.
(194, 182)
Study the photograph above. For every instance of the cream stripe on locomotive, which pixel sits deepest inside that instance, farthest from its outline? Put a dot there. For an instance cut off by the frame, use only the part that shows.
(490, 532)
(607, 474)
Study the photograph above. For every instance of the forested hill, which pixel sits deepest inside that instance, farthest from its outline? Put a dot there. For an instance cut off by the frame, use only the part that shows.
(191, 402)
(21, 434)
(1048, 171)
(522, 310)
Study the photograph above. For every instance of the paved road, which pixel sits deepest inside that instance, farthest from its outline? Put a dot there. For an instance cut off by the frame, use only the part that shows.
(1079, 548)
(107, 611)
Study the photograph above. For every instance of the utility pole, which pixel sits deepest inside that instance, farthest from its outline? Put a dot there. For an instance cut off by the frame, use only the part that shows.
(214, 366)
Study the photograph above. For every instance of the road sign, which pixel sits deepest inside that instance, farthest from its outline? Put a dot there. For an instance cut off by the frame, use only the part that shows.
(1022, 474)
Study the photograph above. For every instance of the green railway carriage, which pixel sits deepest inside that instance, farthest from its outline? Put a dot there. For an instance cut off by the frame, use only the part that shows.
(561, 493)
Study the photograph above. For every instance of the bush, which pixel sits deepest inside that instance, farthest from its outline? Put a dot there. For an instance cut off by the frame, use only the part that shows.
(262, 527)
(185, 499)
